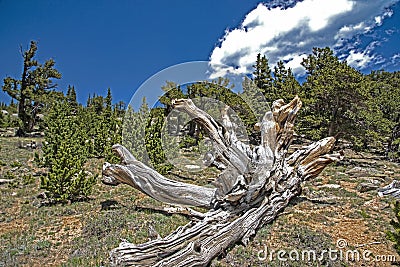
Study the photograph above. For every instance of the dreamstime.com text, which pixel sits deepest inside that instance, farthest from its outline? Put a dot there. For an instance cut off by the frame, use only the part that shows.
(341, 253)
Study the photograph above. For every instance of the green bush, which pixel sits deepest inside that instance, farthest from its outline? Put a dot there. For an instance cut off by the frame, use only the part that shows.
(187, 142)
(16, 164)
(65, 152)
(395, 235)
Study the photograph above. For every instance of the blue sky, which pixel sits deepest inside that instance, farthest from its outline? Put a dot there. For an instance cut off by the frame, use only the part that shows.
(116, 44)
(120, 44)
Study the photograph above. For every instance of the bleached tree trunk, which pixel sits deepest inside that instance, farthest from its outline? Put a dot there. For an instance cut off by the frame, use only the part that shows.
(256, 184)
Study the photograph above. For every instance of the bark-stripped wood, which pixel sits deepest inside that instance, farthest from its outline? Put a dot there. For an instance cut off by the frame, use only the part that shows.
(255, 185)
(392, 189)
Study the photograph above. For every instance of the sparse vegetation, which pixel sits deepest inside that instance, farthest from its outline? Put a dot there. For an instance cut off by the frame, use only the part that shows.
(82, 233)
(78, 140)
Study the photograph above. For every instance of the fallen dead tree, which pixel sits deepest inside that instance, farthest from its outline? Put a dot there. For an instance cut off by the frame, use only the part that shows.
(256, 184)
(392, 189)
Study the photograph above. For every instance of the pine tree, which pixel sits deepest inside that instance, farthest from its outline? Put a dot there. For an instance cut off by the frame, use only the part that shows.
(395, 235)
(3, 122)
(334, 98)
(285, 84)
(89, 101)
(108, 104)
(171, 91)
(153, 141)
(103, 126)
(96, 125)
(65, 152)
(263, 78)
(133, 131)
(13, 107)
(71, 97)
(385, 96)
(31, 90)
(112, 127)
(257, 107)
(120, 108)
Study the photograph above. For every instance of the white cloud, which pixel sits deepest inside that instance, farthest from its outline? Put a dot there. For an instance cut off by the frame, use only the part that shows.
(378, 20)
(358, 59)
(349, 30)
(294, 62)
(395, 58)
(289, 34)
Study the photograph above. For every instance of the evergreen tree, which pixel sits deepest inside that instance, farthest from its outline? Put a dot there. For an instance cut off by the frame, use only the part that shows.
(133, 131)
(263, 78)
(13, 107)
(71, 97)
(96, 125)
(89, 101)
(65, 152)
(285, 84)
(96, 104)
(120, 107)
(171, 91)
(384, 90)
(257, 107)
(103, 125)
(3, 122)
(153, 141)
(112, 127)
(31, 90)
(334, 97)
(395, 235)
(108, 103)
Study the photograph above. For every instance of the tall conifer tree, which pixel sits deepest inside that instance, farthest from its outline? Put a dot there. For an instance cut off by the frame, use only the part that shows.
(30, 91)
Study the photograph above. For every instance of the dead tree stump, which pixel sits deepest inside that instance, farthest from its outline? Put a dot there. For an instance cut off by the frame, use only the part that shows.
(256, 184)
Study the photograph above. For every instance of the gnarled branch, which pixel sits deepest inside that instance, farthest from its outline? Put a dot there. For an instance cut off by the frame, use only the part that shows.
(136, 174)
(256, 184)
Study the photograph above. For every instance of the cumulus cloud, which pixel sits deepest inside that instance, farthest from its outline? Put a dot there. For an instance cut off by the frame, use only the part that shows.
(289, 32)
(395, 58)
(358, 59)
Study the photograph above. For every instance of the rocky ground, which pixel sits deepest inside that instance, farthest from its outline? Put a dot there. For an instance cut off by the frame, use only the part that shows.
(339, 211)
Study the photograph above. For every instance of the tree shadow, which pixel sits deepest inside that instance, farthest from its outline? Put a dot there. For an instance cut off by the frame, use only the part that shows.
(109, 204)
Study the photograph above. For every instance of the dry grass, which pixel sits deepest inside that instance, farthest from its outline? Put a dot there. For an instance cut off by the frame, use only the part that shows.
(82, 233)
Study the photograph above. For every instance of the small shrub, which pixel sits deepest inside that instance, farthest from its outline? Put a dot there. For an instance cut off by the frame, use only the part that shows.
(43, 244)
(28, 179)
(395, 235)
(64, 154)
(15, 164)
(187, 142)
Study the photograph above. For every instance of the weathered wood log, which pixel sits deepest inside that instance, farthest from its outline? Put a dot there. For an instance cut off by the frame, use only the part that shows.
(4, 181)
(254, 187)
(392, 189)
(150, 182)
